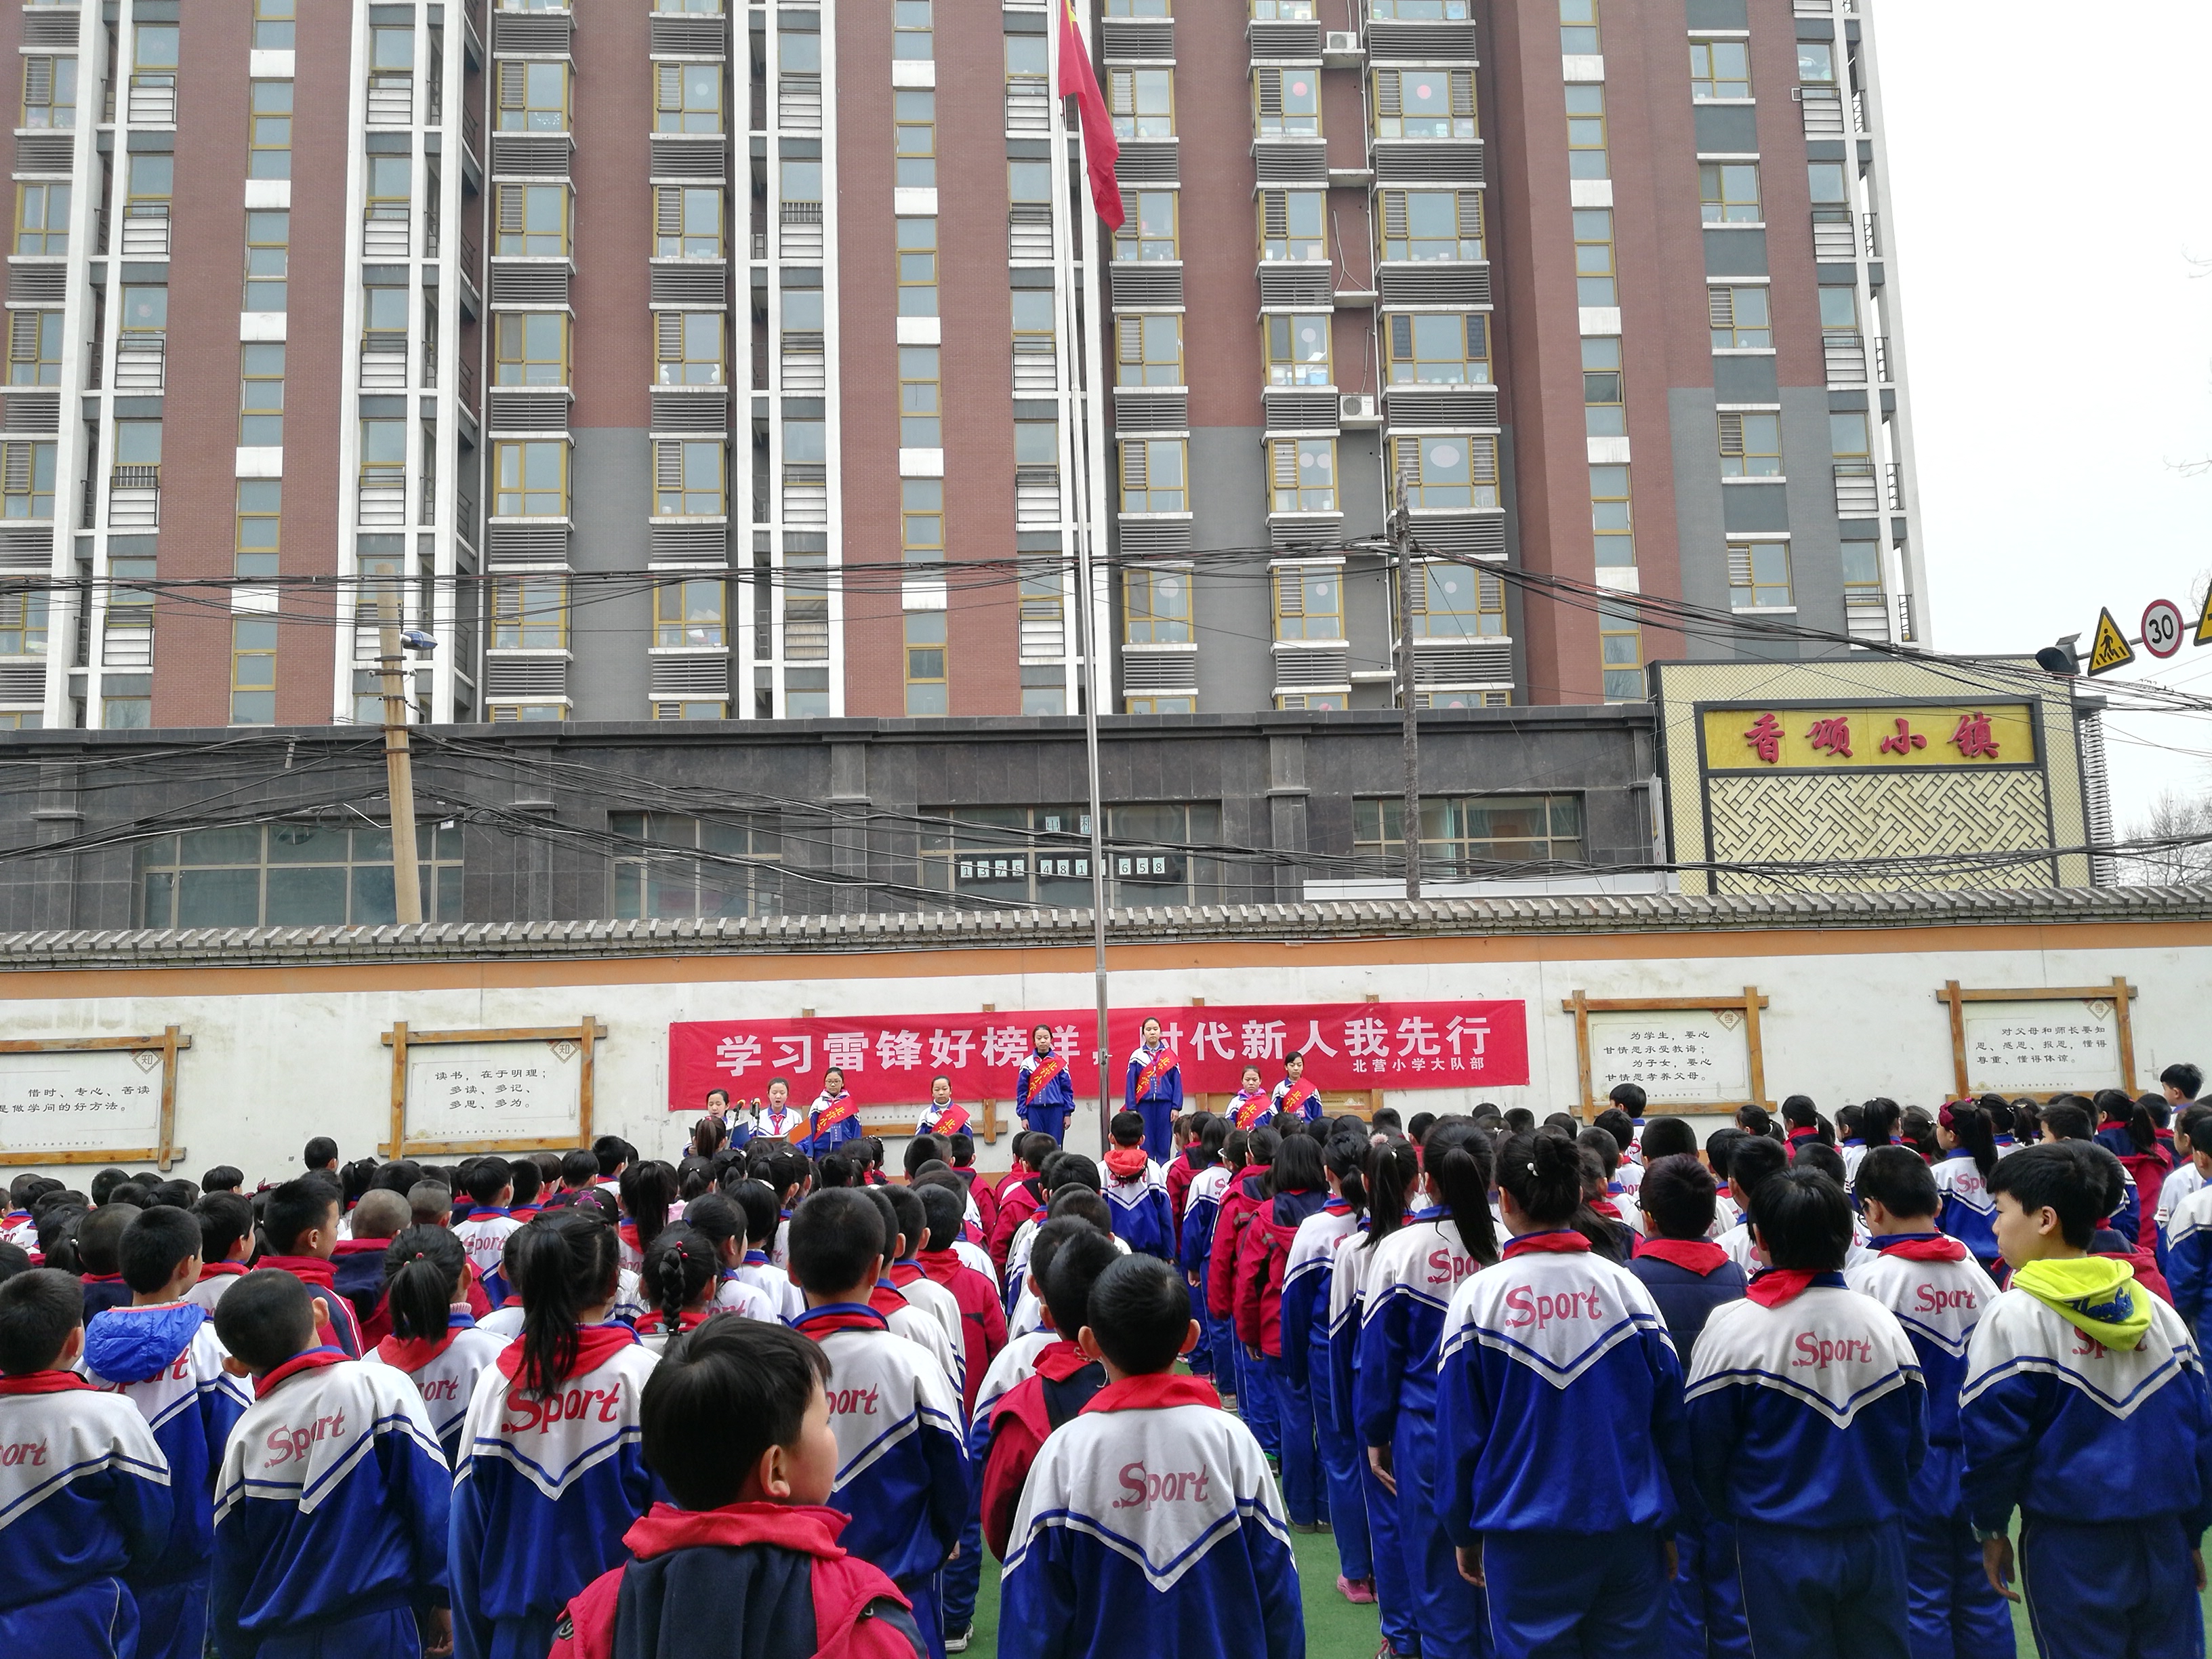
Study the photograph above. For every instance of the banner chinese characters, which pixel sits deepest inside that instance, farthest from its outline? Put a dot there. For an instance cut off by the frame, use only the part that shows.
(890, 1060)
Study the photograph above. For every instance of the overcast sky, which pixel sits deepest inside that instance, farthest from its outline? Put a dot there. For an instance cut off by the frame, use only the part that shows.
(2052, 183)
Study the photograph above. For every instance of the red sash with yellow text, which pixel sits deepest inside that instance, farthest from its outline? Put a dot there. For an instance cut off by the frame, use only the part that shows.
(1246, 1111)
(828, 1117)
(1301, 1092)
(950, 1121)
(1162, 1063)
(1047, 1069)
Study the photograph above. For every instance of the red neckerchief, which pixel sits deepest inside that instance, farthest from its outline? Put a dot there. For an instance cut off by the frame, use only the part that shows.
(1605, 1206)
(411, 1354)
(1335, 1205)
(687, 1319)
(1059, 1362)
(313, 1361)
(101, 1279)
(595, 1345)
(886, 1299)
(360, 1246)
(1557, 1242)
(903, 1273)
(829, 1113)
(1246, 1109)
(309, 1269)
(220, 1270)
(1162, 1062)
(1154, 1392)
(1772, 1286)
(818, 1323)
(1697, 1255)
(1042, 1073)
(1126, 1163)
(1928, 1247)
(756, 1259)
(665, 1528)
(42, 1382)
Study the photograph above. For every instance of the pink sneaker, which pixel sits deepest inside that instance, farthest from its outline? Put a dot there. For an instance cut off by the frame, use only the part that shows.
(1360, 1592)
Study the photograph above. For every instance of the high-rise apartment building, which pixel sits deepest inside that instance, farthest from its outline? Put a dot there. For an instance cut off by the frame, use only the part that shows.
(681, 359)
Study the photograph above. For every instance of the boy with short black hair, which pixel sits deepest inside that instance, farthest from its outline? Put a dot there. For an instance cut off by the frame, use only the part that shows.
(2086, 1408)
(483, 1235)
(226, 1243)
(1808, 1422)
(161, 1354)
(1154, 1464)
(1751, 1160)
(86, 1502)
(983, 1335)
(1137, 1210)
(901, 1460)
(330, 1510)
(322, 1153)
(916, 1324)
(735, 1424)
(100, 1257)
(224, 1178)
(301, 1224)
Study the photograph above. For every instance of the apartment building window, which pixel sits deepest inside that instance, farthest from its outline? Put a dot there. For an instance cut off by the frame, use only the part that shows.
(1839, 307)
(260, 501)
(1034, 319)
(1137, 9)
(926, 692)
(384, 316)
(1719, 70)
(530, 347)
(1449, 471)
(687, 97)
(1420, 11)
(1816, 63)
(533, 97)
(1740, 318)
(34, 347)
(1153, 475)
(1008, 855)
(1286, 103)
(1424, 103)
(268, 135)
(261, 394)
(1470, 834)
(1751, 446)
(911, 39)
(687, 347)
(920, 425)
(921, 519)
(268, 259)
(1620, 651)
(1578, 28)
(42, 215)
(529, 613)
(532, 220)
(1292, 224)
(1728, 193)
(50, 92)
(1439, 347)
(273, 24)
(806, 442)
(302, 875)
(1451, 602)
(252, 671)
(1282, 11)
(1298, 350)
(390, 185)
(1829, 183)
(1758, 576)
(153, 73)
(917, 268)
(1149, 230)
(1147, 349)
(1308, 603)
(673, 868)
(1611, 520)
(1431, 224)
(1302, 475)
(22, 623)
(688, 614)
(1156, 606)
(383, 456)
(1141, 102)
(688, 222)
(532, 479)
(915, 138)
(1848, 436)
(1586, 150)
(687, 478)
(1862, 579)
(1595, 278)
(1604, 414)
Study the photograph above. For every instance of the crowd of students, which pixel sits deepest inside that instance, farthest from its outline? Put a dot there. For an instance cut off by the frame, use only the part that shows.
(1553, 1390)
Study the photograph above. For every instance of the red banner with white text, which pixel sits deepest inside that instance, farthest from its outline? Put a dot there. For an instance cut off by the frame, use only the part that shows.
(890, 1059)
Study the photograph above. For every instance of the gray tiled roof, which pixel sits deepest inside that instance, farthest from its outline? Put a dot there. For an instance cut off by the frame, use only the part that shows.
(942, 930)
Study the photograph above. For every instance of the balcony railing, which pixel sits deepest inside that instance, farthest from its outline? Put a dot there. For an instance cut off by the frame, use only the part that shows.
(384, 362)
(1029, 107)
(1835, 236)
(391, 101)
(1859, 491)
(384, 230)
(1845, 352)
(139, 360)
(146, 230)
(799, 103)
(1823, 111)
(153, 101)
(134, 497)
(382, 501)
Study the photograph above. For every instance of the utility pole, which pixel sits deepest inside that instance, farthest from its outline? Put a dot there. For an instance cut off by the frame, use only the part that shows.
(398, 766)
(1402, 539)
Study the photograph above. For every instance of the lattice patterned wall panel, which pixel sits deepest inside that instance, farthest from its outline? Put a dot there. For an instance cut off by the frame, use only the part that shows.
(1797, 817)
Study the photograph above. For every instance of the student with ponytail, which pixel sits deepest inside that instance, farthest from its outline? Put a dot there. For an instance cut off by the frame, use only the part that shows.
(434, 1338)
(1220, 1155)
(1297, 1188)
(1308, 1271)
(1247, 1192)
(1411, 1280)
(1967, 1210)
(1569, 1533)
(550, 1475)
(683, 1270)
(1877, 1127)
(2129, 1131)
(648, 1191)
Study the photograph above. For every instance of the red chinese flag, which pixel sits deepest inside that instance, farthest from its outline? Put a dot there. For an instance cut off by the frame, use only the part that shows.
(1100, 146)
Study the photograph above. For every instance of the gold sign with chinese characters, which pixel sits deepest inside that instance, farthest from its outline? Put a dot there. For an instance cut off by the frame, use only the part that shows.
(1781, 738)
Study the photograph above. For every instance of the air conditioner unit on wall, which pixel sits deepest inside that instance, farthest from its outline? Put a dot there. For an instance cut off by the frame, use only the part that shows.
(1360, 411)
(1341, 49)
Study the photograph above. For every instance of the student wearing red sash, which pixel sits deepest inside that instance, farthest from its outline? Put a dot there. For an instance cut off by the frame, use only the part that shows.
(1044, 1089)
(1251, 1108)
(941, 1116)
(1294, 1094)
(835, 1118)
(1154, 1092)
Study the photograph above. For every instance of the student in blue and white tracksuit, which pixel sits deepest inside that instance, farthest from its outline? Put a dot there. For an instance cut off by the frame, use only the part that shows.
(1215, 1354)
(551, 1472)
(1939, 1293)
(330, 1510)
(1569, 1531)
(1808, 1420)
(1136, 1191)
(84, 1500)
(1148, 1523)
(1044, 1088)
(1308, 1286)
(1153, 1090)
(1968, 1213)
(2086, 1408)
(1415, 1271)
(902, 1469)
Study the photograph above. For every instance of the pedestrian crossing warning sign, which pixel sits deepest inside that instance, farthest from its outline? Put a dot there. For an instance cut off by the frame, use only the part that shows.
(2111, 649)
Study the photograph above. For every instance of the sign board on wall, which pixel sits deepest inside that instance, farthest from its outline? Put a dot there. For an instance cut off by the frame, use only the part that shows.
(502, 1091)
(90, 1100)
(1690, 1057)
(2066, 1040)
(890, 1060)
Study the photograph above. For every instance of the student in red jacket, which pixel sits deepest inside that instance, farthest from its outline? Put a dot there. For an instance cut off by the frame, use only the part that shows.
(985, 1198)
(1021, 1194)
(736, 1425)
(1298, 1186)
(1248, 1193)
(1194, 1152)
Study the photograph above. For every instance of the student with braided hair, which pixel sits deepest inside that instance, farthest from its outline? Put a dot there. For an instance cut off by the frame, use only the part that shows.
(434, 1338)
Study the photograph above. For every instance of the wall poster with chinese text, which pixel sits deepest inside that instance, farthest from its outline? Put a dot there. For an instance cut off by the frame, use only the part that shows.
(494, 1091)
(80, 1101)
(2041, 1047)
(1691, 1056)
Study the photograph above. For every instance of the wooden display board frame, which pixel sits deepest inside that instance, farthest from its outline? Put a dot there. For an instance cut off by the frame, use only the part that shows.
(586, 1034)
(1747, 1004)
(2118, 993)
(167, 1045)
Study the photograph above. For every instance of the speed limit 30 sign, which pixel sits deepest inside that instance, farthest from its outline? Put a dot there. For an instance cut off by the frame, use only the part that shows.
(2162, 628)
